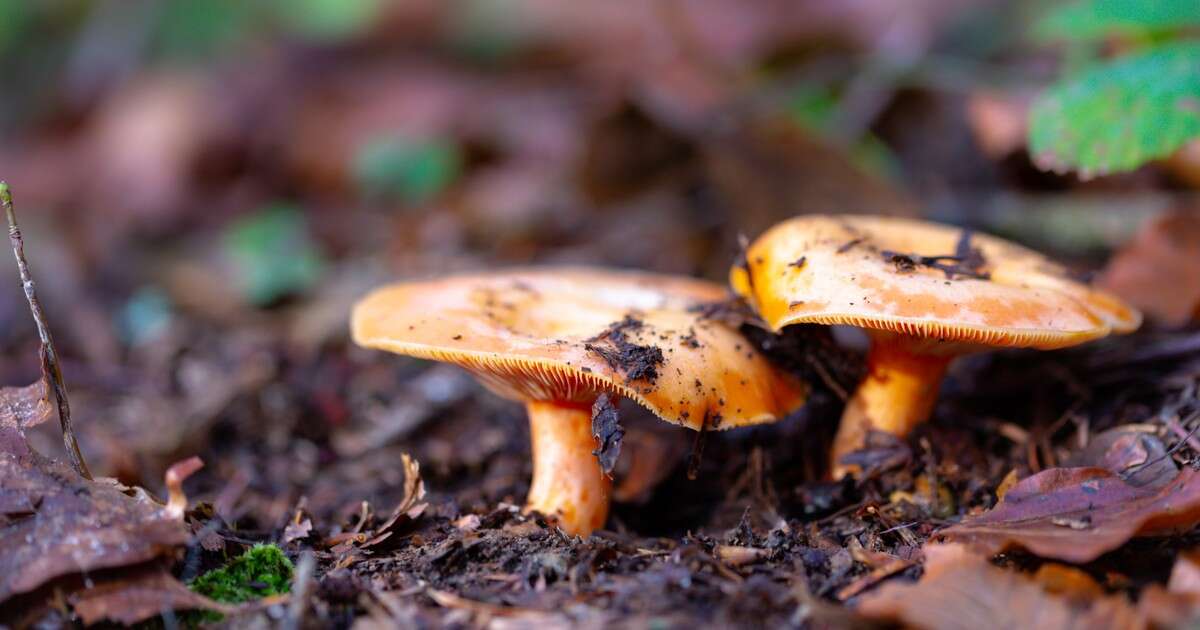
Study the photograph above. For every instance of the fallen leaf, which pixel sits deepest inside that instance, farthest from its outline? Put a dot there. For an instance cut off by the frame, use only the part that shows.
(1078, 514)
(1177, 605)
(408, 510)
(132, 598)
(1137, 455)
(962, 590)
(297, 531)
(53, 523)
(1159, 271)
(25, 407)
(1070, 582)
(1006, 484)
(882, 566)
(20, 409)
(1185, 575)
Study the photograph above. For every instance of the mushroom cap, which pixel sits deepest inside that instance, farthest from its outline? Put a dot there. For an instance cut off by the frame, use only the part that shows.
(844, 270)
(567, 335)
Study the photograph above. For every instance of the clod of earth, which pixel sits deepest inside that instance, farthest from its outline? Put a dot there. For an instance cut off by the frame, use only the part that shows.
(920, 310)
(556, 339)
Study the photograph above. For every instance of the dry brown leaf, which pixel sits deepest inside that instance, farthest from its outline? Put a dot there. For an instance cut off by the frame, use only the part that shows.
(962, 590)
(1159, 271)
(53, 523)
(25, 407)
(145, 594)
(1139, 456)
(20, 409)
(408, 510)
(1078, 514)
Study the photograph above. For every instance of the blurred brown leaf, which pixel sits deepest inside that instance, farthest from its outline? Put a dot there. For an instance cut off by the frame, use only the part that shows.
(1159, 271)
(54, 523)
(137, 597)
(962, 590)
(1078, 514)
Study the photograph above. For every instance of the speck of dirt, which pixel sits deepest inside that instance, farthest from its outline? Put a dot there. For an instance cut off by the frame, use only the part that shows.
(637, 362)
(849, 245)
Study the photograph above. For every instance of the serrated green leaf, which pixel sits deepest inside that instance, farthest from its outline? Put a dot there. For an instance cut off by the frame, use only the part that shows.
(273, 254)
(1119, 115)
(1086, 20)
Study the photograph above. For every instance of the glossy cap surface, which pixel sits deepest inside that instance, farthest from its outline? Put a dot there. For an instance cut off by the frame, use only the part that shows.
(568, 334)
(922, 280)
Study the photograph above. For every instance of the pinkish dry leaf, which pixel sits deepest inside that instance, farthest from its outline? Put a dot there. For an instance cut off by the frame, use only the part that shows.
(963, 591)
(1079, 514)
(130, 599)
(1159, 271)
(25, 407)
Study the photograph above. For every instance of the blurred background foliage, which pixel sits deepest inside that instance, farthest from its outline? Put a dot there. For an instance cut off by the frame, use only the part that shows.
(208, 185)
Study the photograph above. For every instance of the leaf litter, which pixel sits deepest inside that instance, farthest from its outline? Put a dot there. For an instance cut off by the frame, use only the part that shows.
(1078, 514)
(300, 451)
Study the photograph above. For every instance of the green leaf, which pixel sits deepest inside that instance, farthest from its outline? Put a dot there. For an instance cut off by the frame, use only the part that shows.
(1086, 20)
(201, 29)
(273, 254)
(327, 20)
(1119, 115)
(412, 170)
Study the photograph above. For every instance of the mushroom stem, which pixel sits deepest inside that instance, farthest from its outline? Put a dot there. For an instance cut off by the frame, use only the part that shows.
(897, 394)
(567, 480)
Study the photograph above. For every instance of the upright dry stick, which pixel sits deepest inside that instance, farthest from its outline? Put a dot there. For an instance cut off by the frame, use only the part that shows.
(50, 367)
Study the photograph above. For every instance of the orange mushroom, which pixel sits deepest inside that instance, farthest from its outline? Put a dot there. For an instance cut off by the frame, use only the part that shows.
(557, 339)
(924, 293)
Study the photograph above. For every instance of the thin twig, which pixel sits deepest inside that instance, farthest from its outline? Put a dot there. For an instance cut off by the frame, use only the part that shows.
(50, 366)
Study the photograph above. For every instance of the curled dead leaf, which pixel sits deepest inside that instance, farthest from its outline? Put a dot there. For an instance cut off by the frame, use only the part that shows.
(1139, 456)
(20, 409)
(1078, 514)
